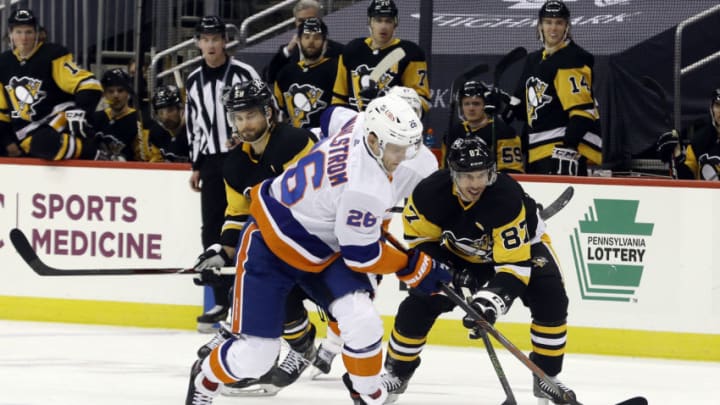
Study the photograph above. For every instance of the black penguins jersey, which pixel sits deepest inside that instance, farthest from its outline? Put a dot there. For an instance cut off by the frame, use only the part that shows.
(119, 133)
(170, 147)
(496, 230)
(358, 60)
(554, 88)
(304, 91)
(36, 89)
(509, 156)
(242, 170)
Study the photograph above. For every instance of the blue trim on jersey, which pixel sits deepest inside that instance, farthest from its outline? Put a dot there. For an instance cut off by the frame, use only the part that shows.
(224, 347)
(325, 118)
(373, 347)
(290, 228)
(361, 254)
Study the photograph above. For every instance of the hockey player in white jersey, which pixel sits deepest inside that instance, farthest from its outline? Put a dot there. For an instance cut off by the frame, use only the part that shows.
(319, 226)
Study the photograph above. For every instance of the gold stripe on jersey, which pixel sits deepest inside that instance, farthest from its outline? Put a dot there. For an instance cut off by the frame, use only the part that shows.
(70, 78)
(417, 228)
(415, 76)
(574, 87)
(237, 210)
(589, 114)
(511, 245)
(593, 155)
(340, 89)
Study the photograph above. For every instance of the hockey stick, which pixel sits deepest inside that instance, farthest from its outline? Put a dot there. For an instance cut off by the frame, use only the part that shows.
(510, 58)
(387, 63)
(509, 397)
(23, 247)
(662, 98)
(560, 202)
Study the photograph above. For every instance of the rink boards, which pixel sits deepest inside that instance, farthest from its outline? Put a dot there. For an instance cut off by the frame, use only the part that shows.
(638, 256)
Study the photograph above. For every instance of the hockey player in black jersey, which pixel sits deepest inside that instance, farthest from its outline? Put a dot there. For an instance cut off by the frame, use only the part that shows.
(119, 128)
(557, 99)
(46, 99)
(267, 147)
(487, 228)
(700, 157)
(361, 55)
(304, 89)
(494, 132)
(167, 137)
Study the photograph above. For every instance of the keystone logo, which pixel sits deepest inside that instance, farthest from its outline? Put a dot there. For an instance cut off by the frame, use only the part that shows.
(609, 250)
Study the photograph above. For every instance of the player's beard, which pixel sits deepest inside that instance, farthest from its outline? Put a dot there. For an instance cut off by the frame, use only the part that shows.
(253, 136)
(312, 54)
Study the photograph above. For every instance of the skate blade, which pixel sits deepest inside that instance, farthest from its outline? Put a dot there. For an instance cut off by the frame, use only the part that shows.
(391, 398)
(257, 390)
(315, 372)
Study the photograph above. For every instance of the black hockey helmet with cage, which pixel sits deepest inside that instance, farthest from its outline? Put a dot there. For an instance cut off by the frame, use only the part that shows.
(248, 94)
(210, 24)
(472, 88)
(470, 154)
(166, 96)
(554, 9)
(22, 16)
(116, 77)
(313, 25)
(382, 8)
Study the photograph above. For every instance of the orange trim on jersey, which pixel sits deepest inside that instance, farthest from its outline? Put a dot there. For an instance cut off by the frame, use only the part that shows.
(215, 365)
(333, 326)
(278, 246)
(365, 367)
(240, 259)
(391, 261)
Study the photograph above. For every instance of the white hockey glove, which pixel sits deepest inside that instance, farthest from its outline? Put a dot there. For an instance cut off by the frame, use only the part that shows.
(489, 305)
(566, 160)
(77, 124)
(213, 258)
(709, 166)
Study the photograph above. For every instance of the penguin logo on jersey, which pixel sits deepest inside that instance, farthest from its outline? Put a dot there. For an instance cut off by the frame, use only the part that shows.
(24, 93)
(360, 77)
(480, 249)
(303, 101)
(536, 98)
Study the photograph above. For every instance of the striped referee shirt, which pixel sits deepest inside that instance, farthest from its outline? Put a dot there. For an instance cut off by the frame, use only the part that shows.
(207, 125)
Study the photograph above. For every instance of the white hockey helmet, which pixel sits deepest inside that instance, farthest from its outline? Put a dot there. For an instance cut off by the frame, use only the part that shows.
(410, 96)
(393, 121)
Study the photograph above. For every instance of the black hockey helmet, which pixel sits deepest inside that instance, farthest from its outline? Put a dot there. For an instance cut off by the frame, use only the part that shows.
(166, 96)
(116, 77)
(312, 25)
(22, 16)
(382, 8)
(471, 154)
(472, 88)
(210, 24)
(248, 94)
(554, 9)
(715, 96)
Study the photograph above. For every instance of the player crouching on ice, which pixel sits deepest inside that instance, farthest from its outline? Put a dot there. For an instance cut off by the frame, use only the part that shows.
(319, 225)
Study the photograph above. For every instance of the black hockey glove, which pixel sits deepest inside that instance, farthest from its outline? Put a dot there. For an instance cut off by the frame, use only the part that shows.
(213, 258)
(497, 101)
(466, 278)
(667, 145)
(489, 305)
(369, 92)
(78, 125)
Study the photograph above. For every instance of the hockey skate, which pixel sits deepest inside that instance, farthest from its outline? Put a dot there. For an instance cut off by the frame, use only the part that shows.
(397, 377)
(223, 334)
(292, 366)
(206, 322)
(542, 390)
(200, 390)
(379, 397)
(252, 387)
(322, 362)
